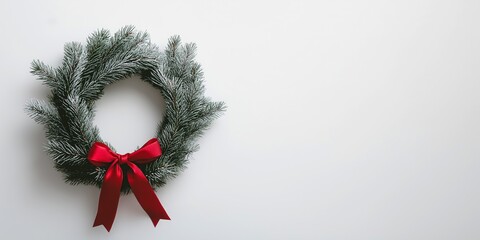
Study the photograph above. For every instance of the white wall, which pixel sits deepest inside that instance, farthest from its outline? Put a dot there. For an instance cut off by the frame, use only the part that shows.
(346, 120)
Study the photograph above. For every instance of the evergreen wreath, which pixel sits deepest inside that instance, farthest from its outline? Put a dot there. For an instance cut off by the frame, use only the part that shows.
(80, 81)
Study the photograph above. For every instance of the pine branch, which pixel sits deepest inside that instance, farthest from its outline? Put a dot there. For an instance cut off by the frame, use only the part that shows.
(45, 73)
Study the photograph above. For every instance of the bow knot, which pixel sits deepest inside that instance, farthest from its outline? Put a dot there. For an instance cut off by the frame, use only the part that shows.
(123, 158)
(101, 155)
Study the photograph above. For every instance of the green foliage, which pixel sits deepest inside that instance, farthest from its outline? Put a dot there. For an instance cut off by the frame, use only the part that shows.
(80, 81)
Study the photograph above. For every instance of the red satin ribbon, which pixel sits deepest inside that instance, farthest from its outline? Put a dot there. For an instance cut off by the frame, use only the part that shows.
(101, 155)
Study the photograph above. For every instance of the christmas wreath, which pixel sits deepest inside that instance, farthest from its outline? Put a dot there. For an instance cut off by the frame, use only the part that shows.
(73, 141)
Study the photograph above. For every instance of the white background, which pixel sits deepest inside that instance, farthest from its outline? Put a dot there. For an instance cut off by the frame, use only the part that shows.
(346, 120)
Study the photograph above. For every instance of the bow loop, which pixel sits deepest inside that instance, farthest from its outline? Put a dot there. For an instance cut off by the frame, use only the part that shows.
(149, 152)
(101, 155)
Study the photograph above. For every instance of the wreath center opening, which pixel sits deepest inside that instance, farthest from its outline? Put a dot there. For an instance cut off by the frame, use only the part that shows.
(129, 113)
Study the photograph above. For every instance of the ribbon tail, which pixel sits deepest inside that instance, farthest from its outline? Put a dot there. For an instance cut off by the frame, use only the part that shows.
(109, 196)
(145, 195)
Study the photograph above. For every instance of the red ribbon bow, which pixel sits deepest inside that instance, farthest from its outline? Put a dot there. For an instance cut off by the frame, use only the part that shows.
(101, 155)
